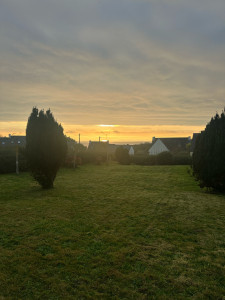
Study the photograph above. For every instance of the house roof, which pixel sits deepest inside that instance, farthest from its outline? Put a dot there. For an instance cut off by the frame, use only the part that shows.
(174, 144)
(97, 146)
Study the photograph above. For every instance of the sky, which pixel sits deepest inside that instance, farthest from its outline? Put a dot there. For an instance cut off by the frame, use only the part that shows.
(145, 67)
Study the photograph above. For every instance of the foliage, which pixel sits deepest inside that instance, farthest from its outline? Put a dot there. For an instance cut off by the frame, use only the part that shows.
(96, 153)
(8, 159)
(142, 148)
(142, 160)
(111, 232)
(182, 159)
(122, 155)
(209, 154)
(45, 146)
(164, 158)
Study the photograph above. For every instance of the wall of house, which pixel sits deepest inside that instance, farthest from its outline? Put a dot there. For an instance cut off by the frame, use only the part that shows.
(157, 148)
(131, 151)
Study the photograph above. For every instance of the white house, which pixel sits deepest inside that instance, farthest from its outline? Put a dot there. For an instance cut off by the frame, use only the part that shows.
(131, 151)
(173, 145)
(157, 148)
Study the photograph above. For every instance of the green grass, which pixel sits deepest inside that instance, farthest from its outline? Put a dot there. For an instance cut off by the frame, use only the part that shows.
(111, 232)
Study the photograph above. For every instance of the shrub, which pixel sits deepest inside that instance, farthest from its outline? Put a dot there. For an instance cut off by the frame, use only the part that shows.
(140, 159)
(8, 159)
(122, 155)
(164, 158)
(181, 159)
(45, 146)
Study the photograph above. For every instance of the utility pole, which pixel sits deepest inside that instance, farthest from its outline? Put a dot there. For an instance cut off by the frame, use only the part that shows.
(79, 138)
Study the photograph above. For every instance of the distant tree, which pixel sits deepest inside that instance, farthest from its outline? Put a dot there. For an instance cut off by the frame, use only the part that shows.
(209, 154)
(122, 155)
(45, 146)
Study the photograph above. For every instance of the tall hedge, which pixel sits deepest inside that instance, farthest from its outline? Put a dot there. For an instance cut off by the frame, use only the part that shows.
(45, 146)
(8, 159)
(209, 154)
(122, 156)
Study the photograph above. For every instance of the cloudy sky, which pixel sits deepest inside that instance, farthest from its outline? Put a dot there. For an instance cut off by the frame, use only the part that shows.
(151, 67)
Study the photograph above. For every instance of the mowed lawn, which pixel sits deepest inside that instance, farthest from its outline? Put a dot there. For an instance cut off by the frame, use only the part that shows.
(111, 232)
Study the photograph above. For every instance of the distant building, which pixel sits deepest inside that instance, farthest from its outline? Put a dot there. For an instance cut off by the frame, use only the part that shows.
(129, 148)
(13, 140)
(98, 146)
(106, 147)
(173, 145)
(131, 151)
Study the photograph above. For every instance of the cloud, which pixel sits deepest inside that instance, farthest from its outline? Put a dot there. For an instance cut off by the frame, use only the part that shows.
(125, 62)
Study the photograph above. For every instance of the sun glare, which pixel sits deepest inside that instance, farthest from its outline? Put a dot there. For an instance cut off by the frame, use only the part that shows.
(104, 125)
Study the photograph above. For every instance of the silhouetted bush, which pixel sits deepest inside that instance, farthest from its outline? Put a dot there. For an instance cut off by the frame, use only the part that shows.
(152, 160)
(46, 147)
(8, 160)
(122, 156)
(92, 157)
(182, 159)
(164, 158)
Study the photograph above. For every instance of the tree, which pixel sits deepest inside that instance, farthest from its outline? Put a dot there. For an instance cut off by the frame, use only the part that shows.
(45, 146)
(209, 154)
(122, 155)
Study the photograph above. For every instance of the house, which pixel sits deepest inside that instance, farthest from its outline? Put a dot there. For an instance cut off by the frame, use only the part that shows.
(141, 150)
(173, 145)
(107, 148)
(98, 146)
(129, 148)
(131, 151)
(13, 140)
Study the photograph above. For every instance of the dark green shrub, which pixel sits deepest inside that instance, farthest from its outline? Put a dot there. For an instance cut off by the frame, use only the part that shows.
(152, 160)
(139, 159)
(164, 158)
(45, 147)
(181, 159)
(122, 156)
(8, 159)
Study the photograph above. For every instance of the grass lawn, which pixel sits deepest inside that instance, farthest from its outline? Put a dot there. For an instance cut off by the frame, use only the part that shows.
(111, 232)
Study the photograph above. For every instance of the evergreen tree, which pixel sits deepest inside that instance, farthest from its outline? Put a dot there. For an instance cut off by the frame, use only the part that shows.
(45, 146)
(209, 154)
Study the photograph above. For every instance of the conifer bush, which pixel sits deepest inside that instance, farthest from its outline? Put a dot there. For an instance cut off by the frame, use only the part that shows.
(209, 154)
(46, 146)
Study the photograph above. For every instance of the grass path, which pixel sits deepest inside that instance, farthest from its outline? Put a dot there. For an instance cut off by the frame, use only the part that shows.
(111, 232)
